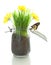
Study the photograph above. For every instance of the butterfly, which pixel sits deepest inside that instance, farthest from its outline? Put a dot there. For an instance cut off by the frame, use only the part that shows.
(10, 29)
(35, 26)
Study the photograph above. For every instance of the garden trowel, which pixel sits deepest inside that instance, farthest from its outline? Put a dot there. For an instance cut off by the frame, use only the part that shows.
(34, 30)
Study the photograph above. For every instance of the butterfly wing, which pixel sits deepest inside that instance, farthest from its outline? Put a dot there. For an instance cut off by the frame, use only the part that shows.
(35, 26)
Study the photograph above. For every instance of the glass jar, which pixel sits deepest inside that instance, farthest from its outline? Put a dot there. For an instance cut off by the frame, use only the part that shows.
(20, 43)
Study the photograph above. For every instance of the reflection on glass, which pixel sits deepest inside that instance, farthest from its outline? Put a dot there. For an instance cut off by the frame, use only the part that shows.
(21, 61)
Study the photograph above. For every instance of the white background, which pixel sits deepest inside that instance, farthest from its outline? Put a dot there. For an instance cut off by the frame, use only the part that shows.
(40, 50)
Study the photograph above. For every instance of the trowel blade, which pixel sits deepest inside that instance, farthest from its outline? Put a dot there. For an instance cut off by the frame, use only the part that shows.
(39, 34)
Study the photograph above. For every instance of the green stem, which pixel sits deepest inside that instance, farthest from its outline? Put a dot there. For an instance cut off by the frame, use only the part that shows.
(21, 32)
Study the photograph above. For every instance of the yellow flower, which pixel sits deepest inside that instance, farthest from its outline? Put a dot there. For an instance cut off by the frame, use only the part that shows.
(35, 16)
(7, 17)
(22, 8)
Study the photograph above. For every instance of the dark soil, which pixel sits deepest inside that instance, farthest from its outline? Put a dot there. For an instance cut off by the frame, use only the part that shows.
(20, 45)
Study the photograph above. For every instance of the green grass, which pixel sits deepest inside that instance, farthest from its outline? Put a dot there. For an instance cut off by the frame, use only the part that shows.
(21, 21)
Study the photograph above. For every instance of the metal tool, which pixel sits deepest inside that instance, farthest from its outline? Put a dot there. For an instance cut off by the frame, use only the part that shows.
(39, 34)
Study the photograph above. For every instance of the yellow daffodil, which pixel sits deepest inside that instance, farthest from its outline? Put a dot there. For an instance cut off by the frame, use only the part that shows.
(35, 16)
(7, 17)
(22, 8)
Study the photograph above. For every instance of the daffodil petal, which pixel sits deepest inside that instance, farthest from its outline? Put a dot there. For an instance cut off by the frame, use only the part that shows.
(35, 16)
(7, 17)
(22, 8)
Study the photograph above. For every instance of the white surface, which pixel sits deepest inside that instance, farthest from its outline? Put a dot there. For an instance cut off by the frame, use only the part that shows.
(40, 50)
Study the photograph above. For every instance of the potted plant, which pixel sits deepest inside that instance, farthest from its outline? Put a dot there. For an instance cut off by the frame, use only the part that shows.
(21, 19)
